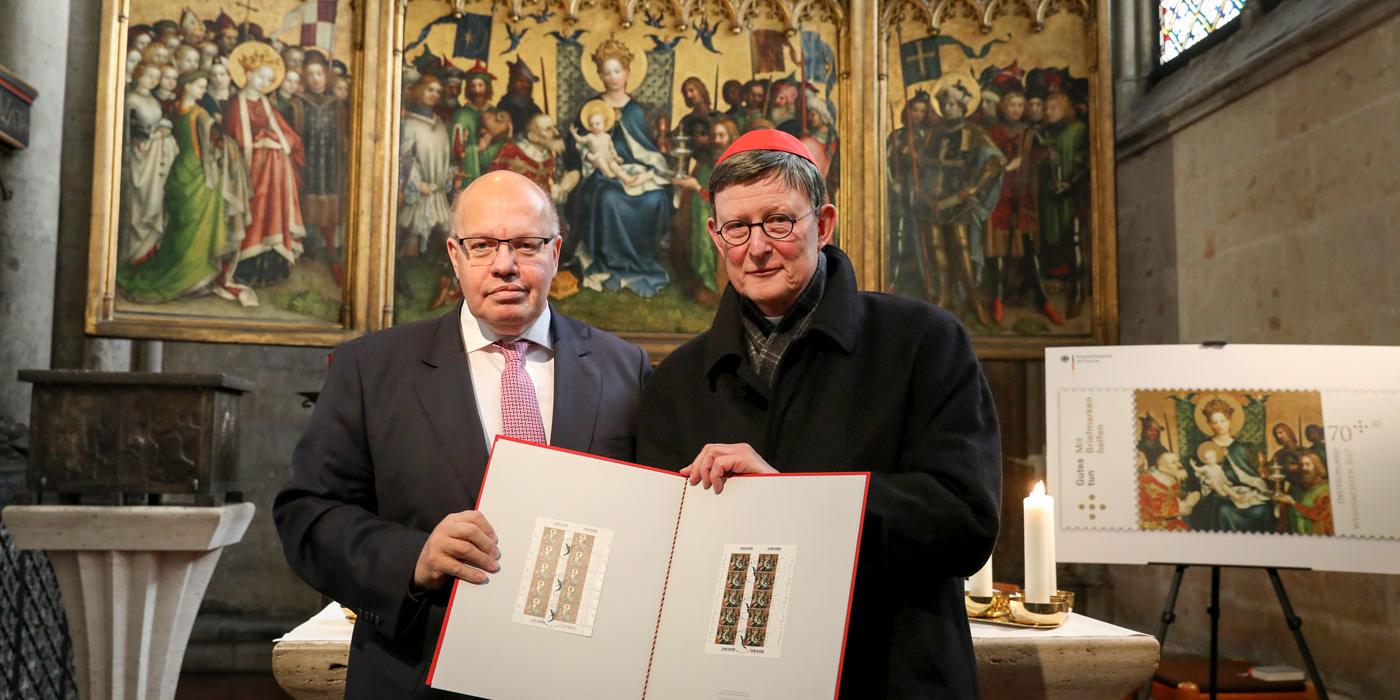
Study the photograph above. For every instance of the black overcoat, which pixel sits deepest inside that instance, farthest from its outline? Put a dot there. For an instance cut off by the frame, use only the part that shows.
(880, 384)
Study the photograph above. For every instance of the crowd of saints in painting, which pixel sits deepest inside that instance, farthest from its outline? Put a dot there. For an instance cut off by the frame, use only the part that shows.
(234, 155)
(621, 127)
(988, 177)
(1222, 461)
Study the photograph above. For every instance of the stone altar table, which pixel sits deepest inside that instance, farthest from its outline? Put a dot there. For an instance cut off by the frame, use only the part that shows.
(310, 661)
(132, 578)
(1083, 659)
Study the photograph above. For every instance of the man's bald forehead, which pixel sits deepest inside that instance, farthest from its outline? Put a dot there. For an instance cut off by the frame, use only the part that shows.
(501, 183)
(496, 186)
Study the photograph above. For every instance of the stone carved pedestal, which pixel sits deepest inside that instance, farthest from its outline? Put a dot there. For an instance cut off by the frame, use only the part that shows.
(132, 578)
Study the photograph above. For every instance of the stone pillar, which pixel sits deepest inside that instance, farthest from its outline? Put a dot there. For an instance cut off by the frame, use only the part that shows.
(33, 34)
(147, 355)
(132, 578)
(71, 348)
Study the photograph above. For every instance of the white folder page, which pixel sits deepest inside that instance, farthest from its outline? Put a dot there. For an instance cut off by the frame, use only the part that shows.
(817, 518)
(526, 483)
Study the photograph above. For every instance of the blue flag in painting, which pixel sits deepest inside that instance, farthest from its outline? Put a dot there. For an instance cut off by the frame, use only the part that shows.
(818, 60)
(473, 35)
(920, 61)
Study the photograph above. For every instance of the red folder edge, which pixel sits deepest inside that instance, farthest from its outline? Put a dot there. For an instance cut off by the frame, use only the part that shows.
(850, 597)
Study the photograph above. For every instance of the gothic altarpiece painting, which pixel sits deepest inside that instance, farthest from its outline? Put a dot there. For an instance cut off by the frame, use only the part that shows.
(283, 171)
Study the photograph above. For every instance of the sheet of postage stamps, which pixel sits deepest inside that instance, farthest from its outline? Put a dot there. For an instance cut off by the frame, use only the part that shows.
(751, 600)
(563, 577)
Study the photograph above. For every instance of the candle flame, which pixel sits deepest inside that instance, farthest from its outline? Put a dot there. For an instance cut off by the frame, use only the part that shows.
(1039, 489)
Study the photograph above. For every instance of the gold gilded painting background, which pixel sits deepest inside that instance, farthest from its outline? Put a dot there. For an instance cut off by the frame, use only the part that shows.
(998, 212)
(648, 273)
(508, 92)
(226, 210)
(234, 151)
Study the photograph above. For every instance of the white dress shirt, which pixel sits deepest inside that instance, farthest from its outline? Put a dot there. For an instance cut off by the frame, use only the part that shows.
(486, 361)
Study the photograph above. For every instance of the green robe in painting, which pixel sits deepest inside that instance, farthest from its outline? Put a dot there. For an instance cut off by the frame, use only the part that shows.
(196, 236)
(1068, 161)
(465, 131)
(1312, 514)
(702, 249)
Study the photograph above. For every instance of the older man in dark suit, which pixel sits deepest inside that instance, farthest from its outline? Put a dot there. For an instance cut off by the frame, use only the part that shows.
(380, 511)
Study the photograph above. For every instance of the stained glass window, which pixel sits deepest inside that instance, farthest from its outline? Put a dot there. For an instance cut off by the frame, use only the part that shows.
(1186, 22)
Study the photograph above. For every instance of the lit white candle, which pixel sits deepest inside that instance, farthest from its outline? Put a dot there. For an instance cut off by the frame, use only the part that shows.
(1039, 511)
(981, 584)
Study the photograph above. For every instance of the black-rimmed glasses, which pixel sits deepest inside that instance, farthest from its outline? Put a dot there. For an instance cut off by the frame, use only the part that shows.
(775, 226)
(484, 248)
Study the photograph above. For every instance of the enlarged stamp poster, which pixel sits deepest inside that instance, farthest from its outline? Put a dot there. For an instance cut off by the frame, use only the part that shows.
(1243, 455)
(563, 576)
(1229, 460)
(751, 600)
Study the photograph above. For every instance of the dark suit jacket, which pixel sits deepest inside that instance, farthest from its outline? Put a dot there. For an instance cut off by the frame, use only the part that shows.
(395, 444)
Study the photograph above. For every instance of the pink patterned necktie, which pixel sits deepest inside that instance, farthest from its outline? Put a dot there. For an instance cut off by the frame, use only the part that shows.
(520, 407)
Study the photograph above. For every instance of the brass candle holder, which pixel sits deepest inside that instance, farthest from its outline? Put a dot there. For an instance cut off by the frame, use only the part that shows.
(986, 607)
(1051, 614)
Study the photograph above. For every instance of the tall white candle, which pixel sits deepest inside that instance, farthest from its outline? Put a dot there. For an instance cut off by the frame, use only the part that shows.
(981, 584)
(1050, 542)
(1039, 511)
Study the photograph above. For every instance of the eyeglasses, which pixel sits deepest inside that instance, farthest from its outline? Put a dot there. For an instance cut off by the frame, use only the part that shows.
(484, 248)
(775, 226)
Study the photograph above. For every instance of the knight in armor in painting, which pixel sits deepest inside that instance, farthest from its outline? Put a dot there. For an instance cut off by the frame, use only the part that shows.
(966, 188)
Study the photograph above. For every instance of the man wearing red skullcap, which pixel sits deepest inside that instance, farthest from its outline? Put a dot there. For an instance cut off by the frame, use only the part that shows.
(802, 371)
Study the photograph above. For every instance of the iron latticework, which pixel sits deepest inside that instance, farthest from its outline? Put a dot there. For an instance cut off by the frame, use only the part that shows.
(36, 659)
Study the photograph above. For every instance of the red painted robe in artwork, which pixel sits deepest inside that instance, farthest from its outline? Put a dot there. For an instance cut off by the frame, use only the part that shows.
(274, 156)
(1018, 209)
(1159, 505)
(514, 158)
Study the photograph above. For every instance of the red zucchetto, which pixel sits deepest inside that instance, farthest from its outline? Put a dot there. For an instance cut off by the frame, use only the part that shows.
(767, 140)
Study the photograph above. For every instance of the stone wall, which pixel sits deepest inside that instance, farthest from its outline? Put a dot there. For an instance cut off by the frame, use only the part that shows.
(29, 206)
(1273, 220)
(254, 596)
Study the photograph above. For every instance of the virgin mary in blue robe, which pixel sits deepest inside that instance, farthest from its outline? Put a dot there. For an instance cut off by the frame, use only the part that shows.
(617, 227)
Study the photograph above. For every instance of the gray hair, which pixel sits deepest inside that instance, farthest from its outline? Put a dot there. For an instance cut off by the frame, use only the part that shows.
(749, 167)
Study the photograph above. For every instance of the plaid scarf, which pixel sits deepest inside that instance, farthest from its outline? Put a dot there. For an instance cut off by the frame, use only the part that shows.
(766, 341)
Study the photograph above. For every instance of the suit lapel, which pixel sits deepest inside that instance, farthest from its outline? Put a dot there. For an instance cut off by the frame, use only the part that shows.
(447, 396)
(576, 385)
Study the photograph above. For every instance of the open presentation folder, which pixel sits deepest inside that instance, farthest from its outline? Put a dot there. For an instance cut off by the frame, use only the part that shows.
(623, 581)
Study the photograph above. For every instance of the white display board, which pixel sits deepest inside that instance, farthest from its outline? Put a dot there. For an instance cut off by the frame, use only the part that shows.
(1241, 455)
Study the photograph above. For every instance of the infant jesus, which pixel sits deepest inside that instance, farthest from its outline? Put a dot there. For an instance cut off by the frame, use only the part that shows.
(597, 143)
(1212, 474)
